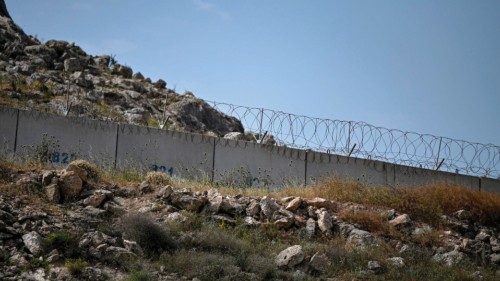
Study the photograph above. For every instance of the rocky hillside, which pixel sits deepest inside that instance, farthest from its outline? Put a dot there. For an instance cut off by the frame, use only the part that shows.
(80, 224)
(59, 77)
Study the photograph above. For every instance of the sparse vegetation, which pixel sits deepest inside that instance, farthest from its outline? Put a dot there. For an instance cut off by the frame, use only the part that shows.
(91, 169)
(153, 238)
(75, 266)
(158, 179)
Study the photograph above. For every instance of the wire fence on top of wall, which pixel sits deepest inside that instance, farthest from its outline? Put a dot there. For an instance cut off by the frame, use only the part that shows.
(359, 139)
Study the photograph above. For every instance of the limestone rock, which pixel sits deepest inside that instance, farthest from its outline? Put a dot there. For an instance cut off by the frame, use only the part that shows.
(71, 185)
(33, 241)
(290, 257)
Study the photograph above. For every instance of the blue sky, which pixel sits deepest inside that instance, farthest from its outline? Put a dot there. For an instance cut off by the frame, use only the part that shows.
(425, 66)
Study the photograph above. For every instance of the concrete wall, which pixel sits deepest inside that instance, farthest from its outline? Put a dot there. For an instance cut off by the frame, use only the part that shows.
(248, 163)
(196, 156)
(65, 138)
(181, 154)
(8, 124)
(321, 165)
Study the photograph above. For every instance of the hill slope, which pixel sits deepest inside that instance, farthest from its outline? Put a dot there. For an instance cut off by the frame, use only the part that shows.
(60, 77)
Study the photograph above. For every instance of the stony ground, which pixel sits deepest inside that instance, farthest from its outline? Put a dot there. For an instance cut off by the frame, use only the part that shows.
(79, 223)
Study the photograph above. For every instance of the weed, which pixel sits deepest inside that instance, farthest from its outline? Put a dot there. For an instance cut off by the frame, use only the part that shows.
(75, 266)
(90, 169)
(153, 238)
(138, 276)
(158, 179)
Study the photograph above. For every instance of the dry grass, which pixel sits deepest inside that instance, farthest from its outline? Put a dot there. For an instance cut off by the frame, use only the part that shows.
(368, 220)
(426, 203)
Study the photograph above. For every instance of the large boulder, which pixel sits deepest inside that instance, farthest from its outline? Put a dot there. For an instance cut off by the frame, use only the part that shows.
(290, 257)
(198, 116)
(122, 70)
(71, 185)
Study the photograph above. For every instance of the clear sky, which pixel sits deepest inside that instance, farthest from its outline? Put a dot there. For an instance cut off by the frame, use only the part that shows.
(425, 66)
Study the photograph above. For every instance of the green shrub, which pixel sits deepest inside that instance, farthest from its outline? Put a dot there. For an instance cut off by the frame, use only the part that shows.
(153, 238)
(138, 276)
(36, 263)
(158, 178)
(65, 242)
(75, 266)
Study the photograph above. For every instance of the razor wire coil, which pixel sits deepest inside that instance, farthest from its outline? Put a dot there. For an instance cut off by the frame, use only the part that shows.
(363, 140)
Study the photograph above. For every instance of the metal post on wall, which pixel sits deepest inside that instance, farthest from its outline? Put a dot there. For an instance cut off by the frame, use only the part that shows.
(260, 124)
(17, 128)
(438, 165)
(348, 144)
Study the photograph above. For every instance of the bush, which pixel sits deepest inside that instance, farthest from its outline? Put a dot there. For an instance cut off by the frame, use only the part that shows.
(153, 238)
(75, 266)
(138, 276)
(90, 169)
(158, 178)
(66, 243)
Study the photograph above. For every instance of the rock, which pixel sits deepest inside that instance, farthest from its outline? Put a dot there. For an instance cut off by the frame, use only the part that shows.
(253, 209)
(197, 116)
(231, 206)
(72, 65)
(495, 258)
(483, 235)
(294, 204)
(164, 192)
(223, 219)
(360, 239)
(160, 84)
(462, 215)
(310, 227)
(98, 197)
(92, 211)
(396, 262)
(33, 241)
(290, 257)
(53, 193)
(320, 203)
(102, 61)
(250, 221)
(188, 202)
(47, 177)
(234, 136)
(375, 267)
(450, 258)
(319, 262)
(122, 70)
(389, 214)
(71, 185)
(401, 221)
(325, 222)
(421, 230)
(138, 76)
(268, 207)
(176, 216)
(284, 223)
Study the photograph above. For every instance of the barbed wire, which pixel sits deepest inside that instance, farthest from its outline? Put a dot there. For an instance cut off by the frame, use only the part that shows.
(360, 139)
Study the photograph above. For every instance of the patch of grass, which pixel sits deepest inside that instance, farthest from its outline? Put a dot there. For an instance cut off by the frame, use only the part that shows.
(158, 179)
(368, 220)
(427, 203)
(35, 263)
(75, 266)
(90, 169)
(66, 243)
(139, 276)
(153, 238)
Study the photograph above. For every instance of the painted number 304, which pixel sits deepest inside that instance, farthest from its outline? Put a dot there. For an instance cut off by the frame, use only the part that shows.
(158, 168)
